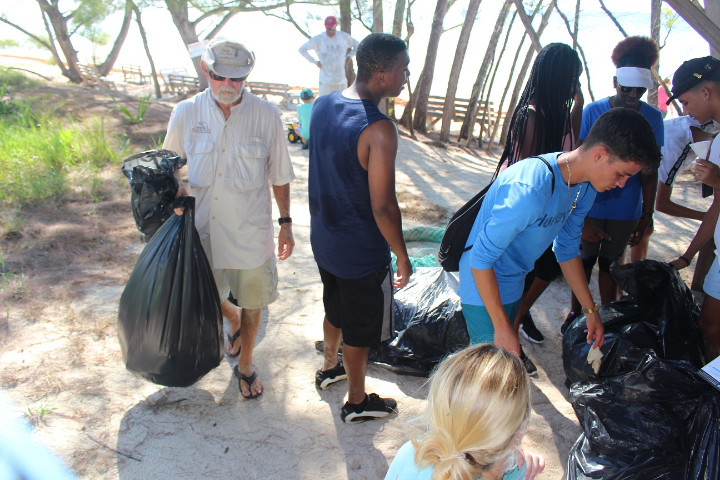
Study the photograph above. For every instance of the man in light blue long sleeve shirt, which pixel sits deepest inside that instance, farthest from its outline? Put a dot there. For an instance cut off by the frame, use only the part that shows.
(522, 214)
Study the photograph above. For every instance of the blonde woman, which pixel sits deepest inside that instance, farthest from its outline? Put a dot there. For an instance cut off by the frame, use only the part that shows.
(478, 409)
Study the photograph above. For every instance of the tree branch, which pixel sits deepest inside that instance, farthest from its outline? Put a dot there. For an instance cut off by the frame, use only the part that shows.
(221, 24)
(612, 17)
(34, 37)
(579, 48)
(359, 16)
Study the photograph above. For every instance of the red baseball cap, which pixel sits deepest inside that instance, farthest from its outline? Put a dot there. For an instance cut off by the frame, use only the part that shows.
(330, 22)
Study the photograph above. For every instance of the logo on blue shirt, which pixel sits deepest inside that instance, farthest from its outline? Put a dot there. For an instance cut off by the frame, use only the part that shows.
(545, 221)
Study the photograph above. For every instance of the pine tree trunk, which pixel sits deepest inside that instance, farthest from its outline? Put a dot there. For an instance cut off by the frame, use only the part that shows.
(655, 8)
(712, 10)
(488, 94)
(59, 28)
(105, 67)
(449, 107)
(179, 13)
(153, 72)
(422, 89)
(523, 70)
(346, 26)
(468, 124)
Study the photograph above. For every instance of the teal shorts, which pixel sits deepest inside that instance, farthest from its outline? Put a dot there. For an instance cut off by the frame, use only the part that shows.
(478, 322)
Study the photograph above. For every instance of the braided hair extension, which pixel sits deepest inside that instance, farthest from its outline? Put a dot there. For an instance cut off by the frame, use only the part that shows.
(551, 88)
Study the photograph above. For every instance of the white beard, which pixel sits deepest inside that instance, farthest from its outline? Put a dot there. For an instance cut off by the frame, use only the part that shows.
(227, 95)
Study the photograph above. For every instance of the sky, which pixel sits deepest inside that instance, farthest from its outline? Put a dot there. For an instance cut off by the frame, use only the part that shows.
(275, 42)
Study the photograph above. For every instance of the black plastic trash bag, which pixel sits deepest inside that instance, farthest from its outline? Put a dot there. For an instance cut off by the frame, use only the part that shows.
(154, 186)
(659, 421)
(169, 320)
(660, 316)
(428, 324)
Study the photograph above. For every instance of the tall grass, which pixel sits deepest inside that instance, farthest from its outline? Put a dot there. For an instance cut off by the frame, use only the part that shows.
(40, 153)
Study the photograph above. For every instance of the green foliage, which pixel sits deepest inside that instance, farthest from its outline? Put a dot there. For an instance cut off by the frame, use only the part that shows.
(7, 43)
(89, 12)
(143, 104)
(37, 414)
(41, 156)
(95, 35)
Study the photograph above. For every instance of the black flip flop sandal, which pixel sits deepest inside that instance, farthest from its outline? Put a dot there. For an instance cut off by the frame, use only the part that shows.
(231, 339)
(249, 380)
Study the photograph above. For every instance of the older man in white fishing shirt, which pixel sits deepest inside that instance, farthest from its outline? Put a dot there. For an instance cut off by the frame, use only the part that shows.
(235, 148)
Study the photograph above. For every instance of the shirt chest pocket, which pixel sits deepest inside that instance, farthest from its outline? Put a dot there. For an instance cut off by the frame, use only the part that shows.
(247, 166)
(201, 163)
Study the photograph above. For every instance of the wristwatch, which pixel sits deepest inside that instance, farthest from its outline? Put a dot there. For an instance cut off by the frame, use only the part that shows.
(282, 220)
(593, 309)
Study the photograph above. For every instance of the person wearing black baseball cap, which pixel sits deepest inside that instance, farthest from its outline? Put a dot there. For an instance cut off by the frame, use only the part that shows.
(696, 84)
(693, 73)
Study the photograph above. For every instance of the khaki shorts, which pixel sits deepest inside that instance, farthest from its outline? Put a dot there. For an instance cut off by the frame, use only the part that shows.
(254, 288)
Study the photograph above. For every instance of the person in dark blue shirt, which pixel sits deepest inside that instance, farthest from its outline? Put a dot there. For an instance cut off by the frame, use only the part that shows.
(355, 219)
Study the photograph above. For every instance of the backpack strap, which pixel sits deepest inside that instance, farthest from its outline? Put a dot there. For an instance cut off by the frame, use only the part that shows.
(552, 172)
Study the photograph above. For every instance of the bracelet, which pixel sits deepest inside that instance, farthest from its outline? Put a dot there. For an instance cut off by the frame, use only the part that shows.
(684, 258)
(647, 214)
(593, 309)
(282, 220)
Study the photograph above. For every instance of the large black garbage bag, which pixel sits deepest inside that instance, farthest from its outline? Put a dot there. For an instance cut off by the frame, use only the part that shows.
(153, 187)
(660, 316)
(659, 421)
(169, 319)
(428, 323)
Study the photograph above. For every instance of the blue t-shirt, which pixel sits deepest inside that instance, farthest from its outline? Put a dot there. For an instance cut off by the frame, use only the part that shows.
(403, 467)
(621, 203)
(304, 112)
(518, 220)
(344, 236)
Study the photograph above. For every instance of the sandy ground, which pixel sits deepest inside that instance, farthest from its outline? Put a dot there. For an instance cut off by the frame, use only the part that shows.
(109, 424)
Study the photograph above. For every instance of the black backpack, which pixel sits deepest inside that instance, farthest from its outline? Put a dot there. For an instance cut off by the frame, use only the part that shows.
(458, 230)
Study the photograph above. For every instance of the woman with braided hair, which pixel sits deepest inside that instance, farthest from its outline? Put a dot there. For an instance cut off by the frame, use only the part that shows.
(621, 216)
(478, 409)
(546, 119)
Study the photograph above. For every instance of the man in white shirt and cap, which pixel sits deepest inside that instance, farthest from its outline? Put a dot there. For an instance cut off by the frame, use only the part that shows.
(333, 49)
(235, 147)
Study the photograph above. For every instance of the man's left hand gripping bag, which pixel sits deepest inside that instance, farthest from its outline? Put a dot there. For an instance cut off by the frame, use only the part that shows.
(169, 320)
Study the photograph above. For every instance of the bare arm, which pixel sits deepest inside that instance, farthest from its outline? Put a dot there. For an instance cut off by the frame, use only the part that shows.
(377, 148)
(529, 144)
(703, 235)
(708, 173)
(649, 187)
(487, 286)
(304, 52)
(576, 115)
(575, 276)
(664, 204)
(285, 237)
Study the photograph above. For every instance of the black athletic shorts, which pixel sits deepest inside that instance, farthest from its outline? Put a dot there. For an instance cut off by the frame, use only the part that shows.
(360, 307)
(546, 268)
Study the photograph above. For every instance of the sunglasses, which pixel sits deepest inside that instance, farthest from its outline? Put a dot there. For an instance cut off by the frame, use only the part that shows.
(628, 90)
(219, 78)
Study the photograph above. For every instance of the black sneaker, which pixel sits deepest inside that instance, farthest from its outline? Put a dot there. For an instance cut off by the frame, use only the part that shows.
(374, 406)
(529, 365)
(568, 321)
(529, 330)
(325, 378)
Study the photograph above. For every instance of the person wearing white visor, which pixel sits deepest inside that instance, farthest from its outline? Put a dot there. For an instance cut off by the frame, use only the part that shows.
(622, 216)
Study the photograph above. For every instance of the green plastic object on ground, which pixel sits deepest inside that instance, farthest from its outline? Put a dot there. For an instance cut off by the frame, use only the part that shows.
(424, 234)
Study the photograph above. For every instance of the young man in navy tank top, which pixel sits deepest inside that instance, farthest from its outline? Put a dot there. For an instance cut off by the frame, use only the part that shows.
(356, 221)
